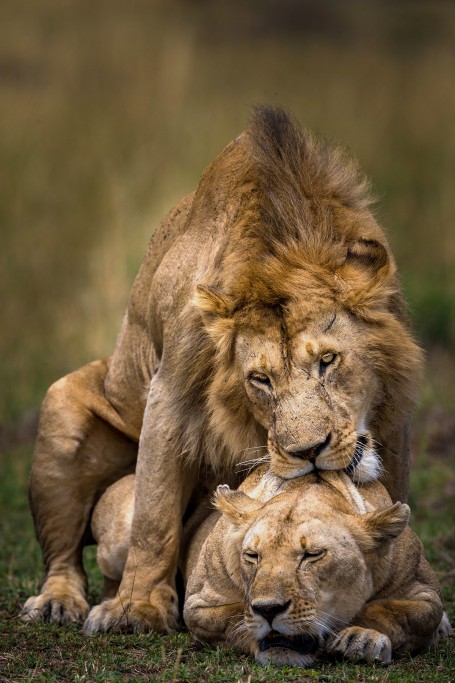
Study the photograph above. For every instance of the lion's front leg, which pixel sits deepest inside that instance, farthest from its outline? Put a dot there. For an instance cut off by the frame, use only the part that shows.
(147, 598)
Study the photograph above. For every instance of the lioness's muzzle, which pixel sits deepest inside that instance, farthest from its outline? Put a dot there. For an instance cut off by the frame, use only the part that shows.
(304, 643)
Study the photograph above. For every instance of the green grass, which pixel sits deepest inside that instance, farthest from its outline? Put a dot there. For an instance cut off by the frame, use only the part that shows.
(110, 112)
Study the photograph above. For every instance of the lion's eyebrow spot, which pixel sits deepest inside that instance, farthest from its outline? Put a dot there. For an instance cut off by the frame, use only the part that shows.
(309, 349)
(303, 542)
(329, 326)
(263, 361)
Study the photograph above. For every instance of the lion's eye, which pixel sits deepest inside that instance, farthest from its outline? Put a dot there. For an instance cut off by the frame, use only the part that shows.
(260, 380)
(250, 556)
(326, 359)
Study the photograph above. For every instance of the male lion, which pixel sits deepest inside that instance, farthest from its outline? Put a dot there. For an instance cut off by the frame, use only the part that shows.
(296, 568)
(267, 311)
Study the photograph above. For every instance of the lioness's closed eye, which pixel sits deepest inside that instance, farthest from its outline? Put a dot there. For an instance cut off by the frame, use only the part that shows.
(305, 573)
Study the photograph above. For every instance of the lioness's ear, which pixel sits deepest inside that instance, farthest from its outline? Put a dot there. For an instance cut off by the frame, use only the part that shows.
(387, 524)
(236, 505)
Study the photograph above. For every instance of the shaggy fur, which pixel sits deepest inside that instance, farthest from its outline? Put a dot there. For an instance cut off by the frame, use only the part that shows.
(275, 261)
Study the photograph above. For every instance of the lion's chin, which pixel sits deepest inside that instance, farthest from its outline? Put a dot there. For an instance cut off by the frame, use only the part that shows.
(281, 650)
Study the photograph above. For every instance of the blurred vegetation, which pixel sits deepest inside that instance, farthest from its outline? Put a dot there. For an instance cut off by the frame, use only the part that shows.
(111, 110)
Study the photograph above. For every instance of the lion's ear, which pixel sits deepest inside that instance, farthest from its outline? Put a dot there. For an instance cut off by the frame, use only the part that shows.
(366, 261)
(365, 275)
(216, 313)
(211, 302)
(236, 505)
(385, 525)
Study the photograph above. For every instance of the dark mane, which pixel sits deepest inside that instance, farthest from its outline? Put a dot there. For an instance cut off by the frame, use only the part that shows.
(303, 203)
(291, 164)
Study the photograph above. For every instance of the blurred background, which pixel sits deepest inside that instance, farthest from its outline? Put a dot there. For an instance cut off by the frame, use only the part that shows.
(110, 111)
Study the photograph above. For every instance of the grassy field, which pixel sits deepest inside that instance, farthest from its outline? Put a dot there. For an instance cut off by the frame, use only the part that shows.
(110, 112)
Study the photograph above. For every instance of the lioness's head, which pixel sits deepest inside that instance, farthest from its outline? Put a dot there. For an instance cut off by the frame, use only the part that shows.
(305, 567)
(304, 311)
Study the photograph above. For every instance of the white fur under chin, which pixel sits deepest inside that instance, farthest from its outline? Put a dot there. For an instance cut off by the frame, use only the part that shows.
(280, 656)
(369, 467)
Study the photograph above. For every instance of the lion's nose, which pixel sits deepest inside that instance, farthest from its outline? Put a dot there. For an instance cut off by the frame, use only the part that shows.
(269, 610)
(308, 452)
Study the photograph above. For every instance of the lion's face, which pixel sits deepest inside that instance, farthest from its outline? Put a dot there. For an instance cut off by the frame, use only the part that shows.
(305, 568)
(311, 387)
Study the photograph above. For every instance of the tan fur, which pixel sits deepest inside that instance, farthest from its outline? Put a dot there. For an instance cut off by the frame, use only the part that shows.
(337, 563)
(273, 262)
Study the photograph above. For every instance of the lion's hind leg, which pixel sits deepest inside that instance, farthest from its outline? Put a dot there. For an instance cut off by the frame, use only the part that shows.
(77, 455)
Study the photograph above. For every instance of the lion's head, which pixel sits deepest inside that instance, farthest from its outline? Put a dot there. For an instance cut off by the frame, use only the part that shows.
(308, 375)
(304, 345)
(305, 566)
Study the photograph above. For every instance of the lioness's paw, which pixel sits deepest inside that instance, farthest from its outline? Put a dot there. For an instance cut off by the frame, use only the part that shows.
(131, 616)
(71, 608)
(361, 643)
(444, 628)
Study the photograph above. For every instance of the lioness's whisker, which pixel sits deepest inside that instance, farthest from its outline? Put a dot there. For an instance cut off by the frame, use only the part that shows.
(238, 632)
(335, 620)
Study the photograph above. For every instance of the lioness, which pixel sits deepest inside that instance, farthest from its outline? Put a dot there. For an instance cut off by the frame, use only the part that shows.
(296, 568)
(267, 312)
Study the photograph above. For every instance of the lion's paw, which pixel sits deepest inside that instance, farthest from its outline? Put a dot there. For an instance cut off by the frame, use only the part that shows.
(131, 616)
(357, 643)
(57, 608)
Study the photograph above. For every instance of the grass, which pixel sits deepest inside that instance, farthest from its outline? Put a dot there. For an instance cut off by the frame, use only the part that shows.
(110, 112)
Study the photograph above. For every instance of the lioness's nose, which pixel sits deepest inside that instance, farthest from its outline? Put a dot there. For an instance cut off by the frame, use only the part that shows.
(308, 451)
(269, 610)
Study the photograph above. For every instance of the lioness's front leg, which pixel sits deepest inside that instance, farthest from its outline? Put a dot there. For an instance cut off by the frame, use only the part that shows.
(211, 622)
(357, 643)
(410, 623)
(147, 598)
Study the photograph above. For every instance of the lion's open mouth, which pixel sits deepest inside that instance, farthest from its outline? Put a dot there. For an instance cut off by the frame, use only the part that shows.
(362, 441)
(303, 643)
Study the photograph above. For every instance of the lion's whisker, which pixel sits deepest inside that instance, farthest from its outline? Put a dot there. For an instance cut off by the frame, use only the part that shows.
(248, 465)
(252, 448)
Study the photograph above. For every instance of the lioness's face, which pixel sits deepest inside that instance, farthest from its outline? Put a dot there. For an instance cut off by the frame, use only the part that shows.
(310, 386)
(304, 578)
